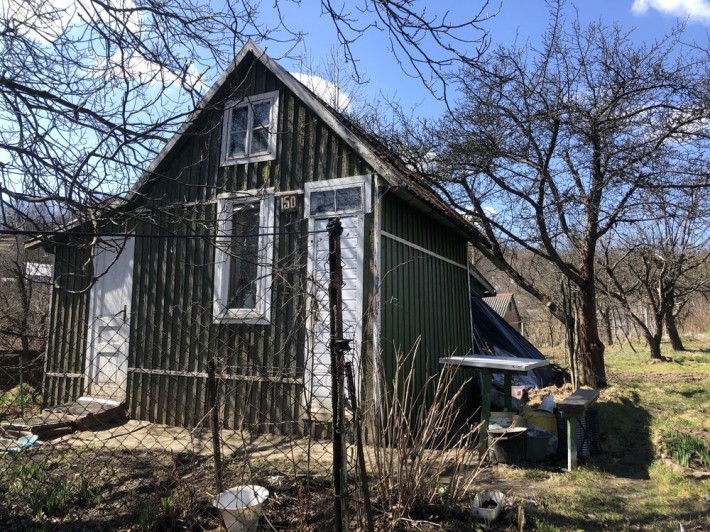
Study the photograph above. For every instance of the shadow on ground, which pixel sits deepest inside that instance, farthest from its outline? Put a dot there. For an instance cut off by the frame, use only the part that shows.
(626, 438)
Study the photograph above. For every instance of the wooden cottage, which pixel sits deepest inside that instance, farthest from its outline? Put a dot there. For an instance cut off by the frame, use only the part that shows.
(220, 249)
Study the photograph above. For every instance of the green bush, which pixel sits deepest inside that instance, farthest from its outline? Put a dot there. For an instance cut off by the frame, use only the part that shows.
(17, 396)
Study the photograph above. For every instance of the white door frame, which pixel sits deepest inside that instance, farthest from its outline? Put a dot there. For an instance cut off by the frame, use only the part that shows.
(365, 182)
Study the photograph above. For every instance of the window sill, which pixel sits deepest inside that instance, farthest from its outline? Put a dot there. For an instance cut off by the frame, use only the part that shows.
(247, 320)
(231, 161)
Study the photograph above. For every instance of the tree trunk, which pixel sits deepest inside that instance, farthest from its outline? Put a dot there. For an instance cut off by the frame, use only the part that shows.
(654, 340)
(606, 317)
(592, 348)
(672, 330)
(654, 344)
(669, 317)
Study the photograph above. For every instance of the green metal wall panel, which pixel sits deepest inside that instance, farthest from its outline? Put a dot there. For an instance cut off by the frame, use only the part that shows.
(407, 222)
(423, 298)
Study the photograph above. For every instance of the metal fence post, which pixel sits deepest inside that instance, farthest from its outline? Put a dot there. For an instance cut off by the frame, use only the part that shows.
(338, 346)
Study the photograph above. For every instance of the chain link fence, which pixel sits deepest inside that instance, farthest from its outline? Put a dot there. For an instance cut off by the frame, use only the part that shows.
(143, 440)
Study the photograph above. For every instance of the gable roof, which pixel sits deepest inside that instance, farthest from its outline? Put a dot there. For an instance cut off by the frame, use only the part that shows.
(385, 163)
(500, 303)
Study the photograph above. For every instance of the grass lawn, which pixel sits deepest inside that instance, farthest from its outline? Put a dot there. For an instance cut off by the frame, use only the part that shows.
(632, 485)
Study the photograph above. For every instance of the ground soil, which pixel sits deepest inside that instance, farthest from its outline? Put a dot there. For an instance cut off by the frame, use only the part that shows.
(140, 476)
(157, 490)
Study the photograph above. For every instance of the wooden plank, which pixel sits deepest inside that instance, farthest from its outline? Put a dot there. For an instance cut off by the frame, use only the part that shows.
(309, 146)
(241, 388)
(295, 173)
(577, 403)
(320, 152)
(264, 354)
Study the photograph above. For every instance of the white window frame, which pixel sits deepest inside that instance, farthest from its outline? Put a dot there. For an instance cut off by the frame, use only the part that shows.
(362, 181)
(226, 204)
(248, 157)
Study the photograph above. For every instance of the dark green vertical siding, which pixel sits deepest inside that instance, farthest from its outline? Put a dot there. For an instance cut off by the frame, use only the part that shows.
(308, 150)
(66, 342)
(172, 333)
(423, 298)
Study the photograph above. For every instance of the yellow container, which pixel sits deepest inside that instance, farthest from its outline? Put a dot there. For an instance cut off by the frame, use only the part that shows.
(542, 420)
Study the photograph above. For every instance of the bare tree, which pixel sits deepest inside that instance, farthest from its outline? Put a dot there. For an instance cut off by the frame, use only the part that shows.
(550, 148)
(25, 286)
(26, 280)
(655, 267)
(91, 90)
(24, 297)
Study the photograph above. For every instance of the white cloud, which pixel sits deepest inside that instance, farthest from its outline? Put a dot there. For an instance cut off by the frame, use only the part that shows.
(693, 9)
(328, 91)
(45, 21)
(142, 70)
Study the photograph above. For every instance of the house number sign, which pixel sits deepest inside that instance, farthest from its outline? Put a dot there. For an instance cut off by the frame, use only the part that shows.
(289, 202)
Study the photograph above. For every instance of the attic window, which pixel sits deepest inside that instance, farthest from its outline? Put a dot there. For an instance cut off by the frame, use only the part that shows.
(249, 130)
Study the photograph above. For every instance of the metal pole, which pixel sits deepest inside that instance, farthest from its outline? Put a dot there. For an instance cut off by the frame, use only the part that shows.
(338, 346)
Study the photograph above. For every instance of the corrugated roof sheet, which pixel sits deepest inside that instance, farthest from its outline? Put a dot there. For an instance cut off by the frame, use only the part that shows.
(500, 303)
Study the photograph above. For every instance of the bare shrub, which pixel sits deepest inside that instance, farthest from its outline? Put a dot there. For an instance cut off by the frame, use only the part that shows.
(425, 455)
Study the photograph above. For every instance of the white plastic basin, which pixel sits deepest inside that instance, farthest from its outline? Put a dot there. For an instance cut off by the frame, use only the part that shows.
(240, 507)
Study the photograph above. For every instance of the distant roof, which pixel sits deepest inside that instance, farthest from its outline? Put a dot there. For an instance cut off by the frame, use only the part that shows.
(38, 270)
(500, 303)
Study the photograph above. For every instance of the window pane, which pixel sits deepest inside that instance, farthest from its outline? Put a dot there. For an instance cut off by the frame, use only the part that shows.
(261, 112)
(349, 199)
(259, 141)
(322, 201)
(238, 131)
(244, 257)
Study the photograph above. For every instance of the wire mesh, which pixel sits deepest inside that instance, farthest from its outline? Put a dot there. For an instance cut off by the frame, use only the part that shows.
(161, 413)
(138, 416)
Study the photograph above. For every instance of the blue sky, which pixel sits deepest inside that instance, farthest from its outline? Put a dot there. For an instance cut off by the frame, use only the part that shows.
(524, 19)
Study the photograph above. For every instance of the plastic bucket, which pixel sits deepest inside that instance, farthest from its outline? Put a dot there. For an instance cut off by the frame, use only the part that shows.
(536, 445)
(507, 446)
(487, 497)
(240, 507)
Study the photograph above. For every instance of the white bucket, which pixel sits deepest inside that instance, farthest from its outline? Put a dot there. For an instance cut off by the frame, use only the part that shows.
(240, 507)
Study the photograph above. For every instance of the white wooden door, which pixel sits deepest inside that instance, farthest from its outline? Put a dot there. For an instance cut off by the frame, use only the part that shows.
(109, 319)
(318, 365)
